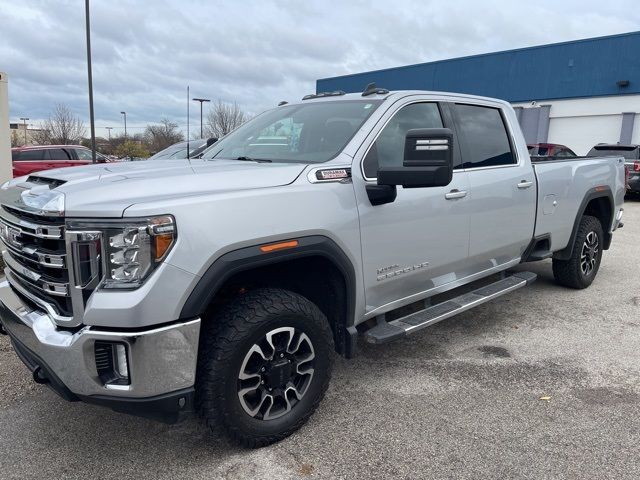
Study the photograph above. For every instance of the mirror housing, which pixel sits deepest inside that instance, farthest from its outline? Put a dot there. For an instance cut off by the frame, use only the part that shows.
(428, 160)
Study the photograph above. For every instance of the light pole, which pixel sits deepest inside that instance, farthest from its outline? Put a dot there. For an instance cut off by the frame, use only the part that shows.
(90, 78)
(109, 132)
(201, 100)
(24, 121)
(125, 124)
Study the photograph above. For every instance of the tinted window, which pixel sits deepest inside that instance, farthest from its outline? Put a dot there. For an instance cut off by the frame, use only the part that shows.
(84, 154)
(388, 149)
(33, 155)
(565, 152)
(542, 151)
(58, 154)
(484, 137)
(311, 132)
(628, 153)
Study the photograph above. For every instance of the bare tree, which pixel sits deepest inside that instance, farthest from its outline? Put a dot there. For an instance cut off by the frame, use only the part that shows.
(159, 137)
(61, 128)
(15, 139)
(223, 118)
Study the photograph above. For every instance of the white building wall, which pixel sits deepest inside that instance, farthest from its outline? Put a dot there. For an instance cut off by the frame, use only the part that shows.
(581, 123)
(635, 137)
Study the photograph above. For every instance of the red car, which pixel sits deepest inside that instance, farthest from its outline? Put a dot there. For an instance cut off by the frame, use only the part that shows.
(27, 160)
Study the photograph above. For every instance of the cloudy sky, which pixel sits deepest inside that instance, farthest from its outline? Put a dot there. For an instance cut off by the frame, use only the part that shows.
(255, 52)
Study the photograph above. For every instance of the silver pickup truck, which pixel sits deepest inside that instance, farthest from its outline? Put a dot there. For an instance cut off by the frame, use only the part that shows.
(224, 285)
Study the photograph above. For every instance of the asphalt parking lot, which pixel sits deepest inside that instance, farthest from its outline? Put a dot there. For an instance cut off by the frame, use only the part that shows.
(542, 383)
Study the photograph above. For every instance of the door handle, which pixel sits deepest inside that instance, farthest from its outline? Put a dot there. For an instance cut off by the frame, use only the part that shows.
(455, 193)
(524, 184)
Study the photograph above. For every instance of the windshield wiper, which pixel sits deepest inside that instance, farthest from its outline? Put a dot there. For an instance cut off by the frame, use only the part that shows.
(250, 159)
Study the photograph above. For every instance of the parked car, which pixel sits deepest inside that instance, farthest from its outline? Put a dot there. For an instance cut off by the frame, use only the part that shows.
(550, 150)
(631, 154)
(27, 160)
(225, 284)
(179, 150)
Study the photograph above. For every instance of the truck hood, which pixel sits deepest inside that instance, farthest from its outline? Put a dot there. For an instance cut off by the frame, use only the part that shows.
(108, 189)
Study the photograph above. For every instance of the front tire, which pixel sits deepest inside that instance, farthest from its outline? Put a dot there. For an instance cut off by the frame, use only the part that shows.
(581, 269)
(264, 366)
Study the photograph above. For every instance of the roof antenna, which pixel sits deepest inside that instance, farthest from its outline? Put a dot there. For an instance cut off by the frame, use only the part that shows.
(188, 158)
(371, 89)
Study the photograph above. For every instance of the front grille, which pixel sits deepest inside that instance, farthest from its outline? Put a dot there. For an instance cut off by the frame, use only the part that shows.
(36, 257)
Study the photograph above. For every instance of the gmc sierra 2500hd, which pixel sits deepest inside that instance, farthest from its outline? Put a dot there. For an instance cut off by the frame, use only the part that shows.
(223, 285)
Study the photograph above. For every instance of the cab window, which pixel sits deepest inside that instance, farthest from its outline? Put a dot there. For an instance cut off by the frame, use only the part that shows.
(388, 149)
(484, 138)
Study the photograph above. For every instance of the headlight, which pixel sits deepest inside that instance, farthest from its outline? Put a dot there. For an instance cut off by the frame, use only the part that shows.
(131, 248)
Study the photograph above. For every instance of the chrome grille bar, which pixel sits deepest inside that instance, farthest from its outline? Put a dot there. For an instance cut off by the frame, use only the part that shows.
(35, 279)
(41, 258)
(15, 283)
(22, 227)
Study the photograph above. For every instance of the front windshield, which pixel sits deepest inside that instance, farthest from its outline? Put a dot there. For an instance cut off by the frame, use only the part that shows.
(307, 133)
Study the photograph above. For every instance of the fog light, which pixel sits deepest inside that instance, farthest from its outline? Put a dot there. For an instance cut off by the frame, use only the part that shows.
(112, 363)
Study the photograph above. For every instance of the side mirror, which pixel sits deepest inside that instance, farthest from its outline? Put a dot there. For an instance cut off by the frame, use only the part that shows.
(428, 160)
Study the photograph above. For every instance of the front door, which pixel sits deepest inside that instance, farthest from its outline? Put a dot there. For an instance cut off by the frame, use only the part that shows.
(420, 241)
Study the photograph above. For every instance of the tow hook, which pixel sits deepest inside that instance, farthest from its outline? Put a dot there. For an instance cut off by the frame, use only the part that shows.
(2, 330)
(38, 376)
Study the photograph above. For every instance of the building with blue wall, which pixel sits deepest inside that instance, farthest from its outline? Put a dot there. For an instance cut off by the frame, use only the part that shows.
(578, 93)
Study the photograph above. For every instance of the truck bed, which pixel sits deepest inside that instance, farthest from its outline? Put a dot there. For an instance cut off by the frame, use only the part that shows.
(562, 186)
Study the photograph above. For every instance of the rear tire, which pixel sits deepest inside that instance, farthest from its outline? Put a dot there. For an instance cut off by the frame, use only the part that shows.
(581, 269)
(276, 346)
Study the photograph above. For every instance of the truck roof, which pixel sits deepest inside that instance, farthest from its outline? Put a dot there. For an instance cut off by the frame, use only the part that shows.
(394, 95)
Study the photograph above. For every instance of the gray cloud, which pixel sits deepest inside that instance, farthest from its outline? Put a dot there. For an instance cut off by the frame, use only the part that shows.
(255, 52)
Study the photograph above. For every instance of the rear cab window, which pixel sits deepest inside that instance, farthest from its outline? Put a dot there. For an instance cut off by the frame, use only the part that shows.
(484, 137)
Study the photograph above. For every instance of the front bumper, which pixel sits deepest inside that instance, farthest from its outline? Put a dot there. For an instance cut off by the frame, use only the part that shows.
(161, 360)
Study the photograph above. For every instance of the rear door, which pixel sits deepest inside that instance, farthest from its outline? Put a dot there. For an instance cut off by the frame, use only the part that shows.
(420, 241)
(59, 157)
(502, 189)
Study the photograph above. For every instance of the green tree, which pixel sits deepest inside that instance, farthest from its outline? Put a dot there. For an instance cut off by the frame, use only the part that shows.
(132, 149)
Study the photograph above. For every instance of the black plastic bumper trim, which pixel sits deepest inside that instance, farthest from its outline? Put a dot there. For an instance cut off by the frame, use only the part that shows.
(167, 408)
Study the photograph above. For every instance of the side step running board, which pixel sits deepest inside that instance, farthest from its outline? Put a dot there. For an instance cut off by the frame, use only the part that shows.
(387, 331)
